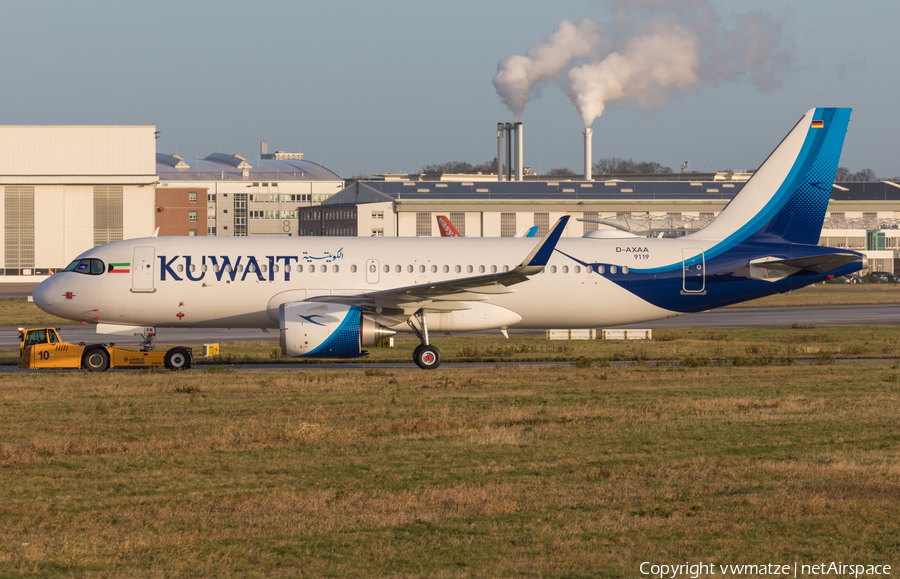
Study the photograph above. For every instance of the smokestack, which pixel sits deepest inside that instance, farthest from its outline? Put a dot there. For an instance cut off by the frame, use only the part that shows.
(499, 151)
(588, 133)
(263, 148)
(520, 164)
(509, 140)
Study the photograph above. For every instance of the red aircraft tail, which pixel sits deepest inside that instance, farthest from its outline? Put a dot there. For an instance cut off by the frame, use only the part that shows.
(447, 229)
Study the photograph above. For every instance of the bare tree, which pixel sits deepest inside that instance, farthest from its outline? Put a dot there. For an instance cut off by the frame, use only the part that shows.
(865, 175)
(613, 165)
(461, 167)
(842, 174)
(561, 172)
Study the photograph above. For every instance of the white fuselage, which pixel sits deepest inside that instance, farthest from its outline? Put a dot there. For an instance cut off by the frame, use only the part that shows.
(566, 294)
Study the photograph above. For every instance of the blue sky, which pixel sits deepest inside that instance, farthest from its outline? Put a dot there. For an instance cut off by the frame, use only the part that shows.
(378, 87)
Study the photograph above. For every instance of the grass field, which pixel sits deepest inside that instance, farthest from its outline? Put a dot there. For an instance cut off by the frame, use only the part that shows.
(558, 472)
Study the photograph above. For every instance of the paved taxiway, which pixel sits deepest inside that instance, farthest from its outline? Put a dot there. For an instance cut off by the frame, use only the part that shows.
(858, 315)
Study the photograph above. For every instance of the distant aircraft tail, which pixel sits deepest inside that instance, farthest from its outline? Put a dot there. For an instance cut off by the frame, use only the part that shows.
(786, 198)
(530, 232)
(446, 228)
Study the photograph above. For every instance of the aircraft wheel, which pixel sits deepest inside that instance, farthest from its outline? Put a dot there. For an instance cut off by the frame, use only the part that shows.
(95, 360)
(427, 357)
(177, 359)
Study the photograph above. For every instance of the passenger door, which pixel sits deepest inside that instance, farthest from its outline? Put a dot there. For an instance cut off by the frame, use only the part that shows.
(142, 269)
(693, 270)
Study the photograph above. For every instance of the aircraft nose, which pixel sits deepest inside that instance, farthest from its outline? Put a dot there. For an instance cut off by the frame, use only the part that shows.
(43, 295)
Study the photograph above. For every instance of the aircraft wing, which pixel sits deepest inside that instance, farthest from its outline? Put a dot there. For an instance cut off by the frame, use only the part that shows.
(451, 295)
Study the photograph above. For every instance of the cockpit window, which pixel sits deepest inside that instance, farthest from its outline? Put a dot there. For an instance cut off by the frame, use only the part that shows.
(87, 266)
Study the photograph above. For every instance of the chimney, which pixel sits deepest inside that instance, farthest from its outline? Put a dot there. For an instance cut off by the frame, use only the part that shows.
(509, 140)
(263, 148)
(588, 133)
(499, 151)
(519, 162)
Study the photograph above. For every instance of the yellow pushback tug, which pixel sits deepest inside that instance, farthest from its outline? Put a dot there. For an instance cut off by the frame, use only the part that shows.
(41, 348)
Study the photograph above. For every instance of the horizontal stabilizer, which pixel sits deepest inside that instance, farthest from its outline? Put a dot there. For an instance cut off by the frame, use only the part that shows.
(773, 269)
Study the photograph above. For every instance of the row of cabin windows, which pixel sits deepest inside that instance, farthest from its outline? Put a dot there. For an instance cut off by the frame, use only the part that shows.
(484, 269)
(323, 268)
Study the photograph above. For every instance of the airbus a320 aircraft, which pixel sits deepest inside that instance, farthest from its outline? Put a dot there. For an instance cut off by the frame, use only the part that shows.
(332, 297)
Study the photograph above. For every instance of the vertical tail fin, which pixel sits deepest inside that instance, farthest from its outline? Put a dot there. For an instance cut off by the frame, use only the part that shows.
(446, 228)
(787, 197)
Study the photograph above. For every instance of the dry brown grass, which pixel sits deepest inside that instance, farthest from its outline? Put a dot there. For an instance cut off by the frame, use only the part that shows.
(452, 473)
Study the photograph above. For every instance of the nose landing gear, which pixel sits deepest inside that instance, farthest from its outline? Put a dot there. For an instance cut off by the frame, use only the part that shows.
(426, 356)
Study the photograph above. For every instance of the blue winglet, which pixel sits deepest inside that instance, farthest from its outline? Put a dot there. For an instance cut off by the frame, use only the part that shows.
(541, 254)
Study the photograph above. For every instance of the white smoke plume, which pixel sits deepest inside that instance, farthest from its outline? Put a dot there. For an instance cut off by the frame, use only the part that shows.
(520, 77)
(659, 47)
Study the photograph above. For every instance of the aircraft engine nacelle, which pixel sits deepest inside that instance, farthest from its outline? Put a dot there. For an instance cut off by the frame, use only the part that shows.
(325, 330)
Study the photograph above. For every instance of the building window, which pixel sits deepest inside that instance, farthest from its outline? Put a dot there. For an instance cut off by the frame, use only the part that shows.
(240, 214)
(507, 225)
(192, 216)
(107, 214)
(192, 197)
(19, 223)
(423, 224)
(542, 220)
(589, 225)
(458, 218)
(210, 230)
(192, 232)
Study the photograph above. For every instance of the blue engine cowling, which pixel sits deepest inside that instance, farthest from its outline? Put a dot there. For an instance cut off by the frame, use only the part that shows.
(326, 330)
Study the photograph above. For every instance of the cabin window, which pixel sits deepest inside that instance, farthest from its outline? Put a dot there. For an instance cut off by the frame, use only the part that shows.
(624, 269)
(228, 268)
(180, 268)
(373, 268)
(264, 268)
(577, 269)
(335, 268)
(240, 268)
(398, 268)
(203, 268)
(612, 269)
(506, 269)
(216, 268)
(353, 269)
(312, 269)
(493, 269)
(565, 269)
(601, 269)
(421, 269)
(446, 269)
(251, 268)
(458, 269)
(274, 268)
(552, 269)
(287, 268)
(299, 268)
(469, 269)
(387, 269)
(480, 269)
(409, 269)
(433, 269)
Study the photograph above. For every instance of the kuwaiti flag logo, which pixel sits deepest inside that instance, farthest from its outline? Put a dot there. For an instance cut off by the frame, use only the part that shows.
(119, 268)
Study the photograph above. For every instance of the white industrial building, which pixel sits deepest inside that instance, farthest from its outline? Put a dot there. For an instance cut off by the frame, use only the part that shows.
(250, 197)
(66, 189)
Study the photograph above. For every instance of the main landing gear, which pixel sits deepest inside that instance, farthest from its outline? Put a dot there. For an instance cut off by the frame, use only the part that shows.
(426, 356)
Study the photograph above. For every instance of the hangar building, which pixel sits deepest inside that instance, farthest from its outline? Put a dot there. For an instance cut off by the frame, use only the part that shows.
(66, 189)
(861, 216)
